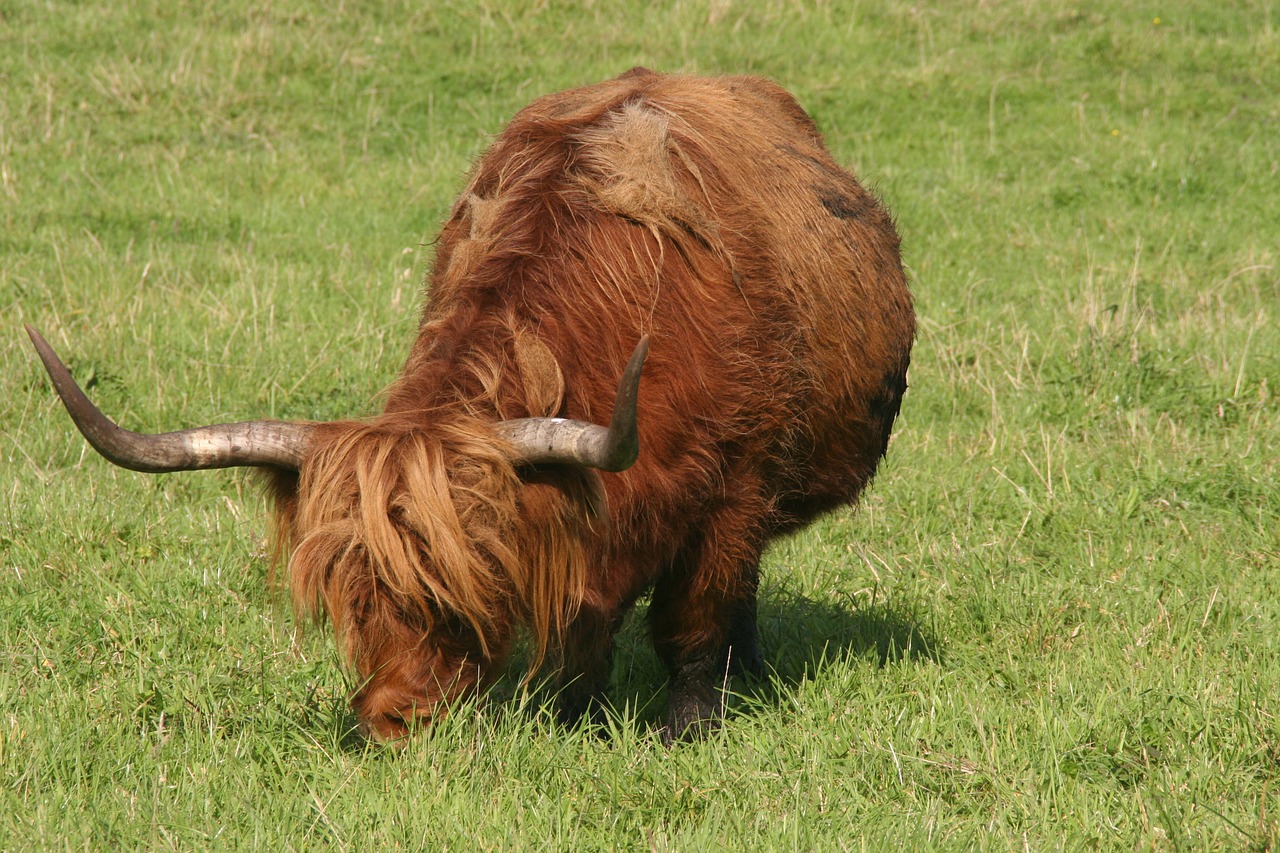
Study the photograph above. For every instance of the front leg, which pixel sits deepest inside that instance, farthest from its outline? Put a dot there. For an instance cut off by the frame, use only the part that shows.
(586, 664)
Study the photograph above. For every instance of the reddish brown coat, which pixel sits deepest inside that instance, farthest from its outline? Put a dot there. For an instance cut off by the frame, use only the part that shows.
(704, 213)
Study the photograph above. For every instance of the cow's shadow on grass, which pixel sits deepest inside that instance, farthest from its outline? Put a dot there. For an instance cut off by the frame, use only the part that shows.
(800, 636)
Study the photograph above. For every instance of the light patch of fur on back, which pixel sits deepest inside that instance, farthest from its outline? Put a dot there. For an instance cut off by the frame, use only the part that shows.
(628, 161)
(483, 216)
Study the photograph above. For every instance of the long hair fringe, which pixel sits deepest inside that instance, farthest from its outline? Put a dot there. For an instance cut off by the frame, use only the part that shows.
(434, 522)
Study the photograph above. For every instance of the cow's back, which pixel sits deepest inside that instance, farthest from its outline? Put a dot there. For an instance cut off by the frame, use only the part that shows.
(707, 214)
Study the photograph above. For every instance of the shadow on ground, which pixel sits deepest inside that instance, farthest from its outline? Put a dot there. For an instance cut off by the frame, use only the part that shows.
(801, 634)
(801, 637)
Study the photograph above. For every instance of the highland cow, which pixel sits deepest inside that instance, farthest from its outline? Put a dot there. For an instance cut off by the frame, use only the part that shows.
(703, 218)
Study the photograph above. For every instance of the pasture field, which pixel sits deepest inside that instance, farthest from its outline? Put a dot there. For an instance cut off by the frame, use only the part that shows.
(1053, 623)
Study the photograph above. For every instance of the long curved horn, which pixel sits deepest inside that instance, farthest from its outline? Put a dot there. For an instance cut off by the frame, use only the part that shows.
(540, 441)
(263, 443)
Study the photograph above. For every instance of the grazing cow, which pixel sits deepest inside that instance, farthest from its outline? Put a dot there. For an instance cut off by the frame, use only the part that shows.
(703, 217)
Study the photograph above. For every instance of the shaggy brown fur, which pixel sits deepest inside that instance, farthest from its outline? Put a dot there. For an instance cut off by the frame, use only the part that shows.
(402, 534)
(705, 213)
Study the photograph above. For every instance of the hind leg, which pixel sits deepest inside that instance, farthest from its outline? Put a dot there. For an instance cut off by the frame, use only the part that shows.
(745, 654)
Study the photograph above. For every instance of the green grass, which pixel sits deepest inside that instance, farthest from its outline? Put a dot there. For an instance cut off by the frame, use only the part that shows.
(1053, 623)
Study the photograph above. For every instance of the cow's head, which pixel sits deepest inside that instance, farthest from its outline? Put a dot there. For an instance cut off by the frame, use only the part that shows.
(410, 537)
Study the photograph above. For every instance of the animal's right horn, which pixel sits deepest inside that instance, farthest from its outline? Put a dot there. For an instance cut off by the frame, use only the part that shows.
(277, 444)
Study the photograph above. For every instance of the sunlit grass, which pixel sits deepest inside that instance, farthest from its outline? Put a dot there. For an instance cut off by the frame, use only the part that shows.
(1052, 623)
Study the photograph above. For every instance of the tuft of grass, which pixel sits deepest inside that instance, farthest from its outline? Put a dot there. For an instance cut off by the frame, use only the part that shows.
(1052, 623)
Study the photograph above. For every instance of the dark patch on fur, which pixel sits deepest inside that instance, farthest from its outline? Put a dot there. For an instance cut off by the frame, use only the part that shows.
(841, 204)
(840, 193)
(885, 404)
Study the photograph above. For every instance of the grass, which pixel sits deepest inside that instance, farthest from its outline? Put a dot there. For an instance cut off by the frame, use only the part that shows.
(1053, 623)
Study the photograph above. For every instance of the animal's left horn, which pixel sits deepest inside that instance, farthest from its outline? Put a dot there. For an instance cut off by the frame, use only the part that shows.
(568, 442)
(259, 443)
